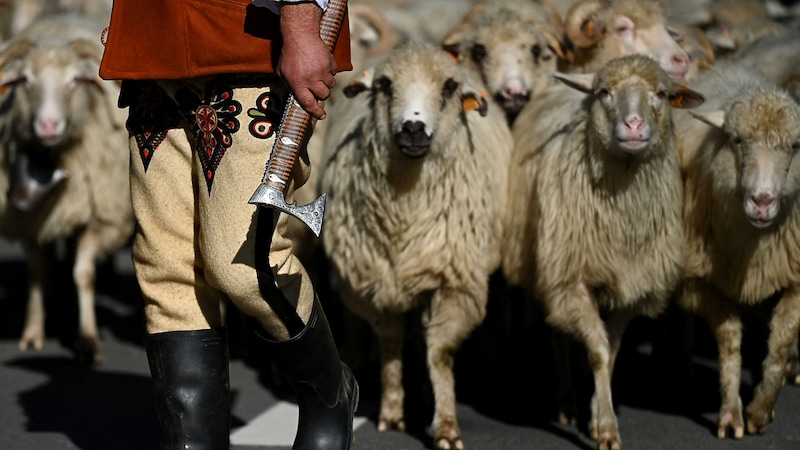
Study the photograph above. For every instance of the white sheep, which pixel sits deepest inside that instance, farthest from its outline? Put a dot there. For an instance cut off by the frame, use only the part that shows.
(593, 224)
(742, 218)
(601, 30)
(66, 173)
(513, 45)
(416, 184)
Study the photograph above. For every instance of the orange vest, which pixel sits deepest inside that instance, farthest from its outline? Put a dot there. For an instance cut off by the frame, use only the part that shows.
(175, 39)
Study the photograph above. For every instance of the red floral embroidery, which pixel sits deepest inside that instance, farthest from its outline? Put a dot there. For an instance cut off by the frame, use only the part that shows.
(214, 122)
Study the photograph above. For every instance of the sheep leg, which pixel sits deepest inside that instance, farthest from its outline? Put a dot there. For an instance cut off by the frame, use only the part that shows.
(390, 332)
(793, 363)
(33, 333)
(565, 394)
(449, 324)
(783, 334)
(727, 328)
(577, 313)
(722, 317)
(83, 273)
(616, 324)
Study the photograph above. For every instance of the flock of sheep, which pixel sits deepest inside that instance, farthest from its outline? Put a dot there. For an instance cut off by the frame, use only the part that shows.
(612, 158)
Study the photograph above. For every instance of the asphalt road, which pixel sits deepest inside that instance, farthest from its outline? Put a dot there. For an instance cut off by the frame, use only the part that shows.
(505, 380)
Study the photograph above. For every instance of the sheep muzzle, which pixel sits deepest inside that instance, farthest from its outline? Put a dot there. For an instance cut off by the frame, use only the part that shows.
(412, 139)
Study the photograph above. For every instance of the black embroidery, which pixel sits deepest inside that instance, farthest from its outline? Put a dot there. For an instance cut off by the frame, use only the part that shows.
(214, 121)
(151, 114)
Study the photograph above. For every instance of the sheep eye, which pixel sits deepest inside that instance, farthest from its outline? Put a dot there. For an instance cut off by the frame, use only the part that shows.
(537, 51)
(478, 53)
(736, 140)
(603, 93)
(661, 94)
(795, 147)
(675, 34)
(384, 85)
(449, 88)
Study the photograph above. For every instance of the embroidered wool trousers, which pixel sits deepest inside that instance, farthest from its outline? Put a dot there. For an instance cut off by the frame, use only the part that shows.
(199, 149)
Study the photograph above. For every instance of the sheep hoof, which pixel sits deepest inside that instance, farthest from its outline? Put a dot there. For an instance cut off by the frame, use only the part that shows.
(31, 340)
(386, 425)
(87, 352)
(566, 419)
(757, 421)
(444, 443)
(609, 441)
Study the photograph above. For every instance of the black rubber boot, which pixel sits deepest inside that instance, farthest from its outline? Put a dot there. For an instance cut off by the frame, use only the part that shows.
(327, 391)
(191, 383)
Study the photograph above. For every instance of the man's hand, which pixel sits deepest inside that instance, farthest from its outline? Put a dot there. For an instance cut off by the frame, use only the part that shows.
(305, 63)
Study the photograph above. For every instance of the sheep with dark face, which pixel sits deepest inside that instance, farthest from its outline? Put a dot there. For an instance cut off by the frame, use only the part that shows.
(742, 215)
(66, 162)
(416, 183)
(593, 224)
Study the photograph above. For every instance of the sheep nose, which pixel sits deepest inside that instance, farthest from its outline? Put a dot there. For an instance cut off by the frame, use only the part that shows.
(633, 123)
(413, 127)
(49, 127)
(763, 200)
(681, 61)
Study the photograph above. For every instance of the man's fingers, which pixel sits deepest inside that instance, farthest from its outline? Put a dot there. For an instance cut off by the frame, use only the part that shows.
(308, 101)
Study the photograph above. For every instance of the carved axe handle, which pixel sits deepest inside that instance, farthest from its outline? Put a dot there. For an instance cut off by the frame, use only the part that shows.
(296, 120)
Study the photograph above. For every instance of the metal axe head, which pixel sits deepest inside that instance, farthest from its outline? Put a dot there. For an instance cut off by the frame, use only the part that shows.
(310, 214)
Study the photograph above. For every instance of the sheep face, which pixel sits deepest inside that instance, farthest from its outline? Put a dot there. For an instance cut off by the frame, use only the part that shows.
(630, 101)
(759, 161)
(51, 100)
(416, 94)
(514, 59)
(627, 27)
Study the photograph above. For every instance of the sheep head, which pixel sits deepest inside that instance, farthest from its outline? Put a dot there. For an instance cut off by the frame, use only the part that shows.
(415, 95)
(514, 59)
(762, 131)
(630, 101)
(607, 30)
(514, 46)
(48, 97)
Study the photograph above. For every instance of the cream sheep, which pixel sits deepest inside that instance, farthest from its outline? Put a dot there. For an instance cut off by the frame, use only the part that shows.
(66, 173)
(513, 45)
(601, 30)
(371, 37)
(415, 186)
(742, 220)
(593, 224)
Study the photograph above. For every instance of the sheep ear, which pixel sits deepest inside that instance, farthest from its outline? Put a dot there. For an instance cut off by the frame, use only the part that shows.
(580, 81)
(713, 118)
(360, 84)
(684, 98)
(15, 50)
(474, 99)
(8, 78)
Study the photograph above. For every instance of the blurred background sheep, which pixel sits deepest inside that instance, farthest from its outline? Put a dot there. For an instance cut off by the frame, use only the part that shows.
(66, 162)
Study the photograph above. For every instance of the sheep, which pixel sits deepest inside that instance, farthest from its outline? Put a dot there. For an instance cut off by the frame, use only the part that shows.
(593, 223)
(742, 222)
(697, 45)
(371, 38)
(513, 46)
(601, 30)
(415, 187)
(776, 57)
(66, 167)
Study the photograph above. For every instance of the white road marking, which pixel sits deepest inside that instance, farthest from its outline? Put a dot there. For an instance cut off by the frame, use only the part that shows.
(274, 427)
